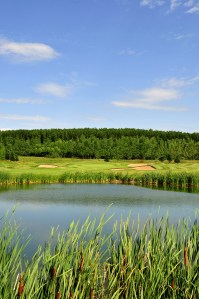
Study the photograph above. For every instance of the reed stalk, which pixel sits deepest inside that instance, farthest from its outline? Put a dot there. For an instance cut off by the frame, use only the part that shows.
(131, 262)
(155, 179)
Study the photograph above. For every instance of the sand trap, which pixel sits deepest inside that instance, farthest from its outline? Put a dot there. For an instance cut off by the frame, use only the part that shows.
(140, 166)
(137, 165)
(47, 166)
(144, 167)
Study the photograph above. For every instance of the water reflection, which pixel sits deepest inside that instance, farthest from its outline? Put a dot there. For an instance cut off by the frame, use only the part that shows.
(39, 207)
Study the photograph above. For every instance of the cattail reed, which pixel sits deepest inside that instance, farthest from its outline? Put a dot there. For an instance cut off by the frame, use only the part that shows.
(186, 260)
(21, 286)
(91, 293)
(144, 268)
(58, 295)
(53, 273)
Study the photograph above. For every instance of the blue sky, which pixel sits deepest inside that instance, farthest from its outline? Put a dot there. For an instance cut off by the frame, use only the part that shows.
(99, 63)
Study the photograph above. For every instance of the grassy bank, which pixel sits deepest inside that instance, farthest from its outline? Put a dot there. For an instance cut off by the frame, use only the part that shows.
(161, 261)
(56, 170)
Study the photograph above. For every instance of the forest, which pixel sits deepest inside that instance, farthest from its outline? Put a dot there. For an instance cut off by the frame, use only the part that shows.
(105, 143)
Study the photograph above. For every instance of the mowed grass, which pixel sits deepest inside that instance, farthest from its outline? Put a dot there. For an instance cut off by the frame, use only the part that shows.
(62, 165)
(59, 170)
(72, 165)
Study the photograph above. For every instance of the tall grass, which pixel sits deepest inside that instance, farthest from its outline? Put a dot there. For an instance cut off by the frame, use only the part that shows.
(158, 261)
(167, 179)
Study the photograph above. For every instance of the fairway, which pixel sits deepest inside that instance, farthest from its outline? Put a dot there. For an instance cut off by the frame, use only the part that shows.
(57, 166)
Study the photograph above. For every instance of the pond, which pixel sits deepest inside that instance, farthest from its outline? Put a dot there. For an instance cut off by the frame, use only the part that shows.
(40, 207)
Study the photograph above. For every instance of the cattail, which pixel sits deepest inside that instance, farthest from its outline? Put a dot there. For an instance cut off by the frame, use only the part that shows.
(173, 284)
(70, 296)
(58, 295)
(53, 273)
(186, 260)
(91, 293)
(124, 261)
(21, 286)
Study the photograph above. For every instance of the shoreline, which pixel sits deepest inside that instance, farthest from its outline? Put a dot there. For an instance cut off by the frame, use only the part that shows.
(187, 181)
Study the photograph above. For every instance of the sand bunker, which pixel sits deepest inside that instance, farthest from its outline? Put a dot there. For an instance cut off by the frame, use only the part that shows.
(135, 166)
(144, 167)
(141, 166)
(47, 166)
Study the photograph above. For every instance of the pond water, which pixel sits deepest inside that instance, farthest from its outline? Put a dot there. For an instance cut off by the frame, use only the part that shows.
(39, 207)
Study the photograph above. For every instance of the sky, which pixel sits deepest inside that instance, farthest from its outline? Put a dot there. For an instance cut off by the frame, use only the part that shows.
(99, 63)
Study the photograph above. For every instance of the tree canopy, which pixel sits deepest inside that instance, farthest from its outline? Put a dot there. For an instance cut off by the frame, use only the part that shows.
(125, 143)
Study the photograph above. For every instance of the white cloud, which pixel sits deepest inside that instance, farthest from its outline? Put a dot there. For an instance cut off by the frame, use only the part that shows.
(127, 51)
(148, 98)
(158, 94)
(26, 52)
(194, 9)
(54, 89)
(147, 106)
(24, 118)
(21, 101)
(172, 5)
(183, 36)
(152, 3)
(179, 83)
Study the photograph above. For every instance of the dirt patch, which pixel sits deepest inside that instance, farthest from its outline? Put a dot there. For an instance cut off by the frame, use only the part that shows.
(118, 169)
(47, 166)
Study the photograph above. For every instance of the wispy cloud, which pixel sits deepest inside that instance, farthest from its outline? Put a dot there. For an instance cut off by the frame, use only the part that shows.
(174, 4)
(189, 6)
(152, 99)
(54, 89)
(127, 51)
(26, 52)
(36, 118)
(179, 83)
(152, 3)
(148, 106)
(183, 36)
(194, 9)
(21, 101)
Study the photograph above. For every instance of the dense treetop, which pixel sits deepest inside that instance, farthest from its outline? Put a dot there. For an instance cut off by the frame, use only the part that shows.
(67, 134)
(125, 143)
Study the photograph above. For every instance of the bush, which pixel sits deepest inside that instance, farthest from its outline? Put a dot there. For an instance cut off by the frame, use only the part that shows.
(161, 159)
(177, 159)
(11, 155)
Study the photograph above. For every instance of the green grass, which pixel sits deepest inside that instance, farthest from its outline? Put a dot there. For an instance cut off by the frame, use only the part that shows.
(159, 261)
(27, 170)
(30, 165)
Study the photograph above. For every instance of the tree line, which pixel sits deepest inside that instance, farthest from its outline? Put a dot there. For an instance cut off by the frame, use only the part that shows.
(100, 144)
